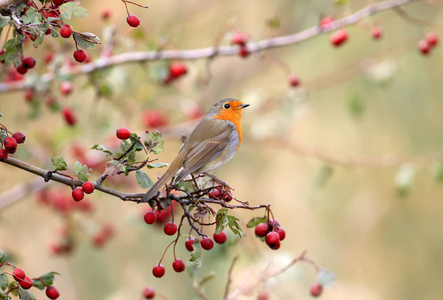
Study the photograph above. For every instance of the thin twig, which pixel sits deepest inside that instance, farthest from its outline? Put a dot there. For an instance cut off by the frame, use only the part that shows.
(229, 281)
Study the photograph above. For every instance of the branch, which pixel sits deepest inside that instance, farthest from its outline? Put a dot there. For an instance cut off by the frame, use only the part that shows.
(210, 52)
(136, 197)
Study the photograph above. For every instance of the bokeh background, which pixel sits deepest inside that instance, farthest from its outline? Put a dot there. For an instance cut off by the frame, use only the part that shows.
(349, 161)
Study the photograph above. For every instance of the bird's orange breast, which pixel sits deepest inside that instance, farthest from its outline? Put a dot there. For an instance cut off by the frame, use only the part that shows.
(233, 115)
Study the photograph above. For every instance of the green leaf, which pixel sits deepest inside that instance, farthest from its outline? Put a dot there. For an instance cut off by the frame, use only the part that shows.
(234, 226)
(323, 175)
(4, 281)
(45, 280)
(81, 171)
(59, 163)
(25, 294)
(404, 179)
(14, 51)
(125, 145)
(157, 165)
(3, 255)
(72, 8)
(143, 180)
(32, 16)
(103, 149)
(154, 142)
(86, 40)
(196, 254)
(134, 139)
(222, 220)
(4, 21)
(4, 296)
(355, 105)
(255, 221)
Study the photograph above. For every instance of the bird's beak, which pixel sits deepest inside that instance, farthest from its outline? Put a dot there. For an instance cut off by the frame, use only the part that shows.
(242, 106)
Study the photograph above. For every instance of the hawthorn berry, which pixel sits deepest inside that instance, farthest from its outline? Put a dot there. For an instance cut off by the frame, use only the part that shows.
(29, 95)
(80, 55)
(10, 145)
(206, 243)
(281, 232)
(264, 295)
(432, 39)
(178, 265)
(339, 37)
(87, 187)
(123, 133)
(376, 33)
(150, 217)
(106, 14)
(52, 292)
(19, 137)
(189, 243)
(272, 224)
(326, 22)
(220, 238)
(3, 155)
(22, 70)
(66, 88)
(69, 116)
(133, 20)
(66, 31)
(158, 271)
(227, 197)
(244, 52)
(239, 38)
(170, 228)
(148, 293)
(177, 69)
(58, 2)
(273, 240)
(26, 283)
(28, 62)
(154, 118)
(215, 193)
(424, 47)
(293, 80)
(262, 229)
(78, 194)
(18, 274)
(316, 290)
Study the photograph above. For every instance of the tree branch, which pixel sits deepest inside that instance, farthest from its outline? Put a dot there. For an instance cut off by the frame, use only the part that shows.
(210, 52)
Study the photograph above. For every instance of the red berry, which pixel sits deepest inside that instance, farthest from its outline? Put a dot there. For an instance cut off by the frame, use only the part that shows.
(26, 283)
(177, 69)
(424, 47)
(66, 88)
(273, 240)
(215, 194)
(22, 70)
(326, 22)
(150, 217)
(294, 80)
(316, 290)
(262, 229)
(19, 137)
(240, 38)
(170, 228)
(376, 32)
(69, 116)
(133, 20)
(87, 187)
(106, 14)
(10, 145)
(189, 243)
(78, 194)
(29, 95)
(58, 3)
(264, 295)
(80, 55)
(432, 39)
(3, 155)
(281, 232)
(206, 243)
(220, 238)
(154, 118)
(148, 293)
(123, 133)
(272, 224)
(18, 274)
(227, 197)
(339, 37)
(28, 62)
(178, 265)
(52, 292)
(244, 51)
(158, 271)
(66, 31)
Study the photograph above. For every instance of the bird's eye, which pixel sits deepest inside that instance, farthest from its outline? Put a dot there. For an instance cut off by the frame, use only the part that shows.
(227, 106)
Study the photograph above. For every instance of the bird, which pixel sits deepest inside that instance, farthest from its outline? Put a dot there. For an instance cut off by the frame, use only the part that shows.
(212, 143)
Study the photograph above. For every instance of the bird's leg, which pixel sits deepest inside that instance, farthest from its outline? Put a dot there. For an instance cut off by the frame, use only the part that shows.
(225, 186)
(195, 182)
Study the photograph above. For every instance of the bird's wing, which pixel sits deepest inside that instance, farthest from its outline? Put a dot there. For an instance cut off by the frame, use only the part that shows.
(207, 146)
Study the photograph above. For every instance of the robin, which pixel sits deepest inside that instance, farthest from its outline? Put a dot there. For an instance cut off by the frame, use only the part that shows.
(213, 142)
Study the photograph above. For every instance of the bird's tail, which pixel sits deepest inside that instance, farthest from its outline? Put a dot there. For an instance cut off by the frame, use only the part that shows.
(152, 192)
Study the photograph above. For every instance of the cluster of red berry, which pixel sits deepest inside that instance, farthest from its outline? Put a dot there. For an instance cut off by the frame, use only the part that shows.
(176, 70)
(10, 144)
(430, 41)
(272, 233)
(241, 39)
